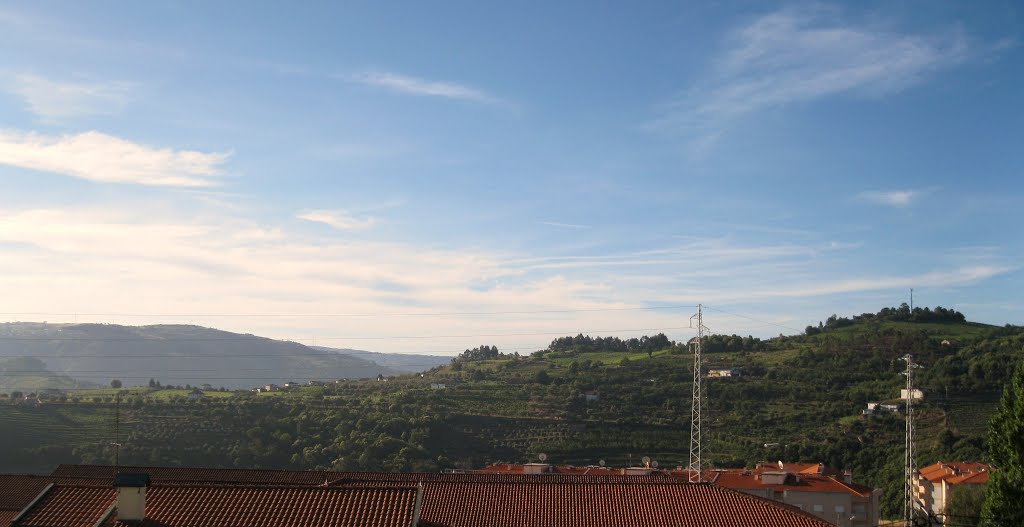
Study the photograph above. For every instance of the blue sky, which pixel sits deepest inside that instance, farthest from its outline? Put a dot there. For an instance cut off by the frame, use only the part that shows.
(476, 173)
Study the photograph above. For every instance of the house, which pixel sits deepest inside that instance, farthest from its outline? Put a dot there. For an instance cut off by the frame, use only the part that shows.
(317, 383)
(591, 395)
(915, 394)
(731, 372)
(437, 386)
(271, 388)
(934, 484)
(196, 393)
(282, 497)
(291, 384)
(828, 494)
(881, 408)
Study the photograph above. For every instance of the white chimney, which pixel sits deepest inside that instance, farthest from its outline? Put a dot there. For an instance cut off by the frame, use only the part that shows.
(131, 496)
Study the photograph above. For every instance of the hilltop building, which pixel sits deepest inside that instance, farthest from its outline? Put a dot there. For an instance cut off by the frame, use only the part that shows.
(934, 484)
(85, 495)
(915, 394)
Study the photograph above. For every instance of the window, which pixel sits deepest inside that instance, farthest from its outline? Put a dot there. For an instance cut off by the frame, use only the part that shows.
(819, 508)
(840, 509)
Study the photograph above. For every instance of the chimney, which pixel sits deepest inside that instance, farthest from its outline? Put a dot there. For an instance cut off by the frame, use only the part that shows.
(131, 496)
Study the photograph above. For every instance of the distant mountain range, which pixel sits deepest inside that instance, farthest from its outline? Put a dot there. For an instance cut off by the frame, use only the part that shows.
(402, 362)
(70, 355)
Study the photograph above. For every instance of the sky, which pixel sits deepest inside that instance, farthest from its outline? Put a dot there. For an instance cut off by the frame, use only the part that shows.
(426, 177)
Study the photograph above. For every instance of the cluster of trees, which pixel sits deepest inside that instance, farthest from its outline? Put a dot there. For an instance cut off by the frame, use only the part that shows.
(586, 344)
(903, 313)
(733, 343)
(483, 353)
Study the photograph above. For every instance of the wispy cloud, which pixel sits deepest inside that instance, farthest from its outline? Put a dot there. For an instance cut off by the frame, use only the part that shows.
(950, 278)
(281, 281)
(797, 55)
(52, 100)
(564, 225)
(422, 87)
(339, 219)
(840, 246)
(895, 198)
(96, 156)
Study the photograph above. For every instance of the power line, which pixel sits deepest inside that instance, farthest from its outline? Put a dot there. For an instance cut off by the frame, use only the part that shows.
(766, 322)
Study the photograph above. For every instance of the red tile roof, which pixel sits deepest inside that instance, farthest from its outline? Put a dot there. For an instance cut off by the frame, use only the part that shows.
(954, 473)
(803, 483)
(219, 505)
(71, 506)
(506, 499)
(551, 503)
(6, 516)
(17, 491)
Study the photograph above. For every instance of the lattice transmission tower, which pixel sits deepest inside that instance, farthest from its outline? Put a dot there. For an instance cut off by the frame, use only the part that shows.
(698, 409)
(909, 463)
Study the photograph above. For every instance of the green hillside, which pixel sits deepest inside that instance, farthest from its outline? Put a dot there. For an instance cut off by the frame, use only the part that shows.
(174, 354)
(797, 398)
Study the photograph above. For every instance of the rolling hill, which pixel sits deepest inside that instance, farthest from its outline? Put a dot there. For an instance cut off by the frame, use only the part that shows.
(172, 354)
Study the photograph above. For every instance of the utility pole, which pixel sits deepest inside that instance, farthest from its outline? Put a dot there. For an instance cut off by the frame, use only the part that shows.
(909, 463)
(117, 431)
(699, 402)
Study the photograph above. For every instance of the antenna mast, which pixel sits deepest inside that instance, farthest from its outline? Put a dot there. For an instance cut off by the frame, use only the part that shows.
(699, 399)
(909, 464)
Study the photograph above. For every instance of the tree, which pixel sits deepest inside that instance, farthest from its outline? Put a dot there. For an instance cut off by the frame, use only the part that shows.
(116, 383)
(1005, 490)
(964, 504)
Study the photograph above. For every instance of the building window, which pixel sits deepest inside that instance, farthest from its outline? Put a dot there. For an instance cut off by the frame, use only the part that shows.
(819, 508)
(840, 509)
(858, 509)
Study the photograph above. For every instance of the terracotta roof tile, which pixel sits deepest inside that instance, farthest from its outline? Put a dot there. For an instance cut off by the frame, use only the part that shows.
(550, 503)
(954, 472)
(805, 483)
(17, 491)
(470, 500)
(233, 506)
(71, 506)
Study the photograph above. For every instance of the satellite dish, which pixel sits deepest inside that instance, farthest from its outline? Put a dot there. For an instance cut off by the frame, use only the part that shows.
(654, 464)
(601, 462)
(543, 457)
(646, 460)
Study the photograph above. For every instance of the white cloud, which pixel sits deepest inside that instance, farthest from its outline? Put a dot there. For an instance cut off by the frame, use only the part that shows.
(338, 219)
(414, 86)
(53, 100)
(895, 198)
(96, 156)
(797, 55)
(219, 269)
(564, 225)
